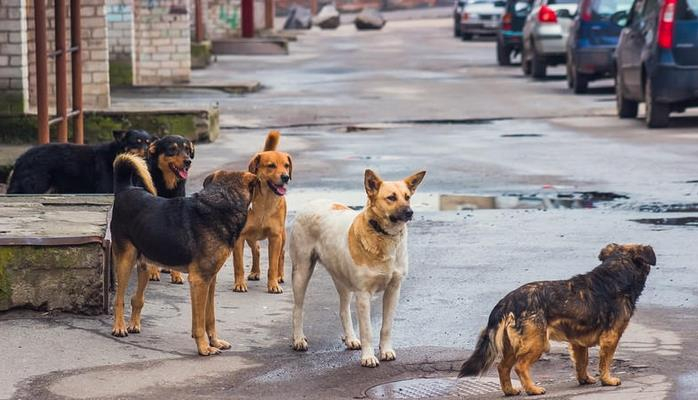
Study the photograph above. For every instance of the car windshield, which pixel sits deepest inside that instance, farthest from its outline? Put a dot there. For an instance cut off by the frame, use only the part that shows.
(553, 2)
(687, 10)
(603, 9)
(481, 1)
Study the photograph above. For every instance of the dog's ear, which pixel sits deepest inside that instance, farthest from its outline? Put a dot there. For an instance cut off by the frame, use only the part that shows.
(119, 136)
(372, 182)
(414, 180)
(191, 149)
(254, 164)
(607, 251)
(250, 180)
(290, 167)
(645, 254)
(211, 178)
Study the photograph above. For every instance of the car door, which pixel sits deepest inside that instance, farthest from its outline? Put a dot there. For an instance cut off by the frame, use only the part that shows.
(630, 51)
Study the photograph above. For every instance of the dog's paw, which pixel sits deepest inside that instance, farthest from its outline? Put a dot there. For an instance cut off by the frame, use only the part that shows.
(253, 276)
(281, 279)
(535, 391)
(351, 343)
(512, 392)
(240, 287)
(387, 355)
(274, 288)
(176, 278)
(610, 381)
(300, 344)
(134, 327)
(153, 274)
(119, 329)
(209, 351)
(369, 361)
(220, 344)
(587, 381)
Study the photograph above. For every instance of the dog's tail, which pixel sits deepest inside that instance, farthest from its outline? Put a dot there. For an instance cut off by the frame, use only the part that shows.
(128, 165)
(489, 345)
(272, 141)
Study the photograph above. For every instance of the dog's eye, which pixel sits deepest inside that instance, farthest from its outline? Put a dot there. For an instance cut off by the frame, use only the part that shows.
(272, 165)
(392, 197)
(407, 197)
(286, 165)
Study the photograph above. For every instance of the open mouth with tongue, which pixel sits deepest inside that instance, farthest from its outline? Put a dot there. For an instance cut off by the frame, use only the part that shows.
(280, 190)
(182, 173)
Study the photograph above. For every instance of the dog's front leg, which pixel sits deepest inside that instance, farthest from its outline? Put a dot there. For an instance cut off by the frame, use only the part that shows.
(238, 266)
(607, 348)
(363, 309)
(390, 300)
(213, 338)
(199, 287)
(275, 244)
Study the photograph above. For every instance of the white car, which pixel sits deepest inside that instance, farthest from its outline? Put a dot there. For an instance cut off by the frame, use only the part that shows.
(545, 35)
(481, 17)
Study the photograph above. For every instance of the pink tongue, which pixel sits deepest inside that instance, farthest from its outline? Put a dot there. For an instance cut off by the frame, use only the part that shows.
(281, 190)
(182, 173)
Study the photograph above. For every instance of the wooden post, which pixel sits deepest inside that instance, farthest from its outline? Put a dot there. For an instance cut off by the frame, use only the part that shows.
(269, 14)
(199, 34)
(61, 74)
(76, 60)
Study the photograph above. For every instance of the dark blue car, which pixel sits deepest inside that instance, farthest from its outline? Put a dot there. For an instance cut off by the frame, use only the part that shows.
(510, 33)
(592, 42)
(657, 60)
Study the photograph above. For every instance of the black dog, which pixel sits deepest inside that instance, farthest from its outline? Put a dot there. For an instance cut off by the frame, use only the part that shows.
(191, 234)
(169, 160)
(74, 168)
(585, 311)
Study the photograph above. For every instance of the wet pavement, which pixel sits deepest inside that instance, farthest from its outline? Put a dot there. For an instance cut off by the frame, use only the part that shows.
(525, 182)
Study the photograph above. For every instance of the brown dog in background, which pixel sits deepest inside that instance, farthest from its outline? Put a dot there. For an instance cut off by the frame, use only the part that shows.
(267, 216)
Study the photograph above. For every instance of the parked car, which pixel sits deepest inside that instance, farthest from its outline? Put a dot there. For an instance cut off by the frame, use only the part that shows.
(480, 17)
(545, 35)
(510, 30)
(592, 41)
(657, 59)
(457, 12)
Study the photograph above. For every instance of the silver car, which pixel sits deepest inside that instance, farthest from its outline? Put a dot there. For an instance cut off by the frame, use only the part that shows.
(480, 17)
(545, 35)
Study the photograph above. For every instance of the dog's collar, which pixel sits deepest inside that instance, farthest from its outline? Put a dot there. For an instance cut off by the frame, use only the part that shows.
(376, 227)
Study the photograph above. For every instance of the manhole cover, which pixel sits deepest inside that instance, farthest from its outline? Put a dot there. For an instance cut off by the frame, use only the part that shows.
(435, 387)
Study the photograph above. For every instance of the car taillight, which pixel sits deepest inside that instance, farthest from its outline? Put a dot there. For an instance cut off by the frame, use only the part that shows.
(585, 13)
(464, 17)
(506, 22)
(665, 37)
(547, 14)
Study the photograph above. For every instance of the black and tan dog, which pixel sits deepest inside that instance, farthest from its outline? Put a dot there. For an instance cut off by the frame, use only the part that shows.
(169, 160)
(585, 311)
(74, 168)
(189, 234)
(267, 217)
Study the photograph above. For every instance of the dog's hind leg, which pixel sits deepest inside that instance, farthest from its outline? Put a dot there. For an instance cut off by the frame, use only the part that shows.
(303, 264)
(345, 295)
(138, 298)
(363, 311)
(124, 259)
(275, 247)
(255, 272)
(504, 369)
(532, 344)
(607, 348)
(213, 338)
(391, 296)
(240, 284)
(282, 257)
(580, 357)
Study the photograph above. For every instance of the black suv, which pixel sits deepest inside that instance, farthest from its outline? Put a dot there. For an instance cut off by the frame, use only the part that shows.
(657, 59)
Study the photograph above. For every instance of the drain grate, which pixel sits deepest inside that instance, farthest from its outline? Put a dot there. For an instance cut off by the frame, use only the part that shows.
(434, 387)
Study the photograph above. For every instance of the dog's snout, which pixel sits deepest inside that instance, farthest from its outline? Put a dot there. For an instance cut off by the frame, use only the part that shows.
(187, 163)
(408, 213)
(285, 178)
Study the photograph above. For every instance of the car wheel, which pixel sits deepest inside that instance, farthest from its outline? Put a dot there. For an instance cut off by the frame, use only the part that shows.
(580, 82)
(538, 66)
(656, 114)
(626, 108)
(503, 54)
(525, 62)
(466, 36)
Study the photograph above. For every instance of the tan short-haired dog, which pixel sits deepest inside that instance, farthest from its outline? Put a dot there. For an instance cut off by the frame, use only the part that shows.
(267, 216)
(365, 253)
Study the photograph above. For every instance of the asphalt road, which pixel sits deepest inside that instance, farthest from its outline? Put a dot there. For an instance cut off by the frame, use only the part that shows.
(407, 98)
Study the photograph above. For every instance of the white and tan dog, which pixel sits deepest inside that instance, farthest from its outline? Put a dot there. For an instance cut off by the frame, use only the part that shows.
(365, 253)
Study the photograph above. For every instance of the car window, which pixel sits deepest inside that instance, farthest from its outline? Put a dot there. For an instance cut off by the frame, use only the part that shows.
(603, 9)
(687, 10)
(552, 2)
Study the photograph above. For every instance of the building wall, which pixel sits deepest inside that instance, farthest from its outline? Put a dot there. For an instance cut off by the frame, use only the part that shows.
(14, 68)
(162, 42)
(120, 31)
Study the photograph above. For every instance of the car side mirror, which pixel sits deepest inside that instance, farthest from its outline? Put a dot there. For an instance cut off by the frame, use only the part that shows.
(620, 18)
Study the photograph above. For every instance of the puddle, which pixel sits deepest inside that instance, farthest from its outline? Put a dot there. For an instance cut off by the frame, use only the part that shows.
(664, 208)
(681, 221)
(546, 198)
(521, 135)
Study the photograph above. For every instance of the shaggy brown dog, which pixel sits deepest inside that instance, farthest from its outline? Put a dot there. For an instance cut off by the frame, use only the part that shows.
(267, 216)
(585, 311)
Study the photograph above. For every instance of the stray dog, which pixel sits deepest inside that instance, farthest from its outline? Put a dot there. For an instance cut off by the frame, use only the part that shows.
(74, 168)
(364, 252)
(189, 234)
(169, 160)
(585, 311)
(267, 216)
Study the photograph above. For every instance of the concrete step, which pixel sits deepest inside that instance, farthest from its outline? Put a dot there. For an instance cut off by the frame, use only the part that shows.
(251, 46)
